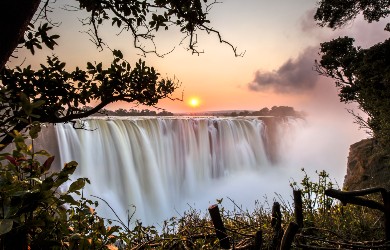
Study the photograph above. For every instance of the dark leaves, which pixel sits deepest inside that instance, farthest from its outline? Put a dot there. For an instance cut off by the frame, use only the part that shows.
(52, 94)
(34, 38)
(335, 14)
(47, 164)
(362, 76)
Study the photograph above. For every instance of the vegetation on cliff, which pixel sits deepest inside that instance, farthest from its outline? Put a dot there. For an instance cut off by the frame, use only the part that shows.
(362, 75)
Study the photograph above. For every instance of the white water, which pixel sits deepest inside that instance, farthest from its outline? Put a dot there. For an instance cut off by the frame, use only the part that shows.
(160, 165)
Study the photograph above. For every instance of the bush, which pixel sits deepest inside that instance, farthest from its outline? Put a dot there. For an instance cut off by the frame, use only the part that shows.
(327, 217)
(36, 214)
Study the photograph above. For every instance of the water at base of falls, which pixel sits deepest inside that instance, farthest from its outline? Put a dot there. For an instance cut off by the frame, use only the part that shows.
(163, 165)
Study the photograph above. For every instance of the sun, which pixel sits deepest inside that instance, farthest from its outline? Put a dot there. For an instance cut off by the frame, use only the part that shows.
(194, 102)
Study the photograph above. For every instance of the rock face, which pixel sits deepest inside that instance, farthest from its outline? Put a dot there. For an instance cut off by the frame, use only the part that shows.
(367, 167)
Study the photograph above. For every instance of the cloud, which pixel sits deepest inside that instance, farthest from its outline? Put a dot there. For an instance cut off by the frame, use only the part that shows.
(308, 24)
(294, 76)
(373, 32)
(297, 75)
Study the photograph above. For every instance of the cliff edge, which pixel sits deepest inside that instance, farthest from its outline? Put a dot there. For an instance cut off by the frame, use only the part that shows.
(367, 167)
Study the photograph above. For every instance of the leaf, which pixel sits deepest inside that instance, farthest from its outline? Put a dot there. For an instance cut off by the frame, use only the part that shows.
(11, 160)
(63, 176)
(70, 167)
(118, 53)
(47, 164)
(99, 67)
(47, 184)
(90, 66)
(5, 226)
(34, 131)
(69, 199)
(35, 179)
(38, 103)
(77, 185)
(26, 105)
(42, 152)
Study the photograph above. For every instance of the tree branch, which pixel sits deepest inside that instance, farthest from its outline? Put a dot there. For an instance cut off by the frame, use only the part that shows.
(15, 16)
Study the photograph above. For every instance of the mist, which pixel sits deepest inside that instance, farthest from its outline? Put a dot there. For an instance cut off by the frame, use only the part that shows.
(132, 172)
(321, 142)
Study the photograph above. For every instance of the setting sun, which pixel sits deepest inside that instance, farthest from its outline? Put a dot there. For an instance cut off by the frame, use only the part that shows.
(194, 102)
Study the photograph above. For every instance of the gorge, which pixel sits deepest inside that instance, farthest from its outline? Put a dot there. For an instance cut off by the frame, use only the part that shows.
(161, 166)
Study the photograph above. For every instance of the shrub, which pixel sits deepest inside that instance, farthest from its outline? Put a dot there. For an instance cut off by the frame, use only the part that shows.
(34, 211)
(327, 217)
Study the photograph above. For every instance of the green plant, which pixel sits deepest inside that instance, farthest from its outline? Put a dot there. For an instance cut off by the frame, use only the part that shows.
(34, 211)
(328, 217)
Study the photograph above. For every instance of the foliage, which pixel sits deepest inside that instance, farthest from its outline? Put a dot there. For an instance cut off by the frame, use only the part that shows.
(363, 77)
(335, 14)
(131, 112)
(276, 111)
(361, 74)
(34, 38)
(141, 19)
(279, 111)
(59, 94)
(326, 217)
(144, 18)
(37, 211)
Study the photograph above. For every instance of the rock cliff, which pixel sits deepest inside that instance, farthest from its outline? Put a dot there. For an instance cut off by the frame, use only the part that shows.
(367, 167)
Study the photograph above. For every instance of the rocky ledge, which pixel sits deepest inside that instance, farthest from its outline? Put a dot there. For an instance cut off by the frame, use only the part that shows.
(367, 167)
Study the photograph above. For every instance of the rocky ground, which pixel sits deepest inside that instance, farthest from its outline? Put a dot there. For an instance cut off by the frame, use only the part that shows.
(367, 167)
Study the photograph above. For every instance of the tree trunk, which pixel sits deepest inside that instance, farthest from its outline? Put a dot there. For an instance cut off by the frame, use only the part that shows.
(15, 15)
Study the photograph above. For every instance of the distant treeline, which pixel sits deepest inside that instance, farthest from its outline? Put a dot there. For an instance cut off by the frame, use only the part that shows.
(279, 111)
(131, 112)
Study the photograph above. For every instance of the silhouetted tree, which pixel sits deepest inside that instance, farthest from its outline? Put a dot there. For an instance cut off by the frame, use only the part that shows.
(362, 75)
(53, 94)
(336, 14)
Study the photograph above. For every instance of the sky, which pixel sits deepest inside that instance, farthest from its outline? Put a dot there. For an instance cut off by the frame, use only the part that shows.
(280, 40)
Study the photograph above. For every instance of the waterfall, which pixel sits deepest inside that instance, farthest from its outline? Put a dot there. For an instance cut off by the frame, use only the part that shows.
(156, 163)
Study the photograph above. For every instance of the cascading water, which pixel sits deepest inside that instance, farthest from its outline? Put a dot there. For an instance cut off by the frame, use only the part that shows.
(158, 164)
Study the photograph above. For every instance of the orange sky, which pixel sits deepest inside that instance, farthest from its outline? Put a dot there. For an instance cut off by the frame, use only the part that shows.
(279, 39)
